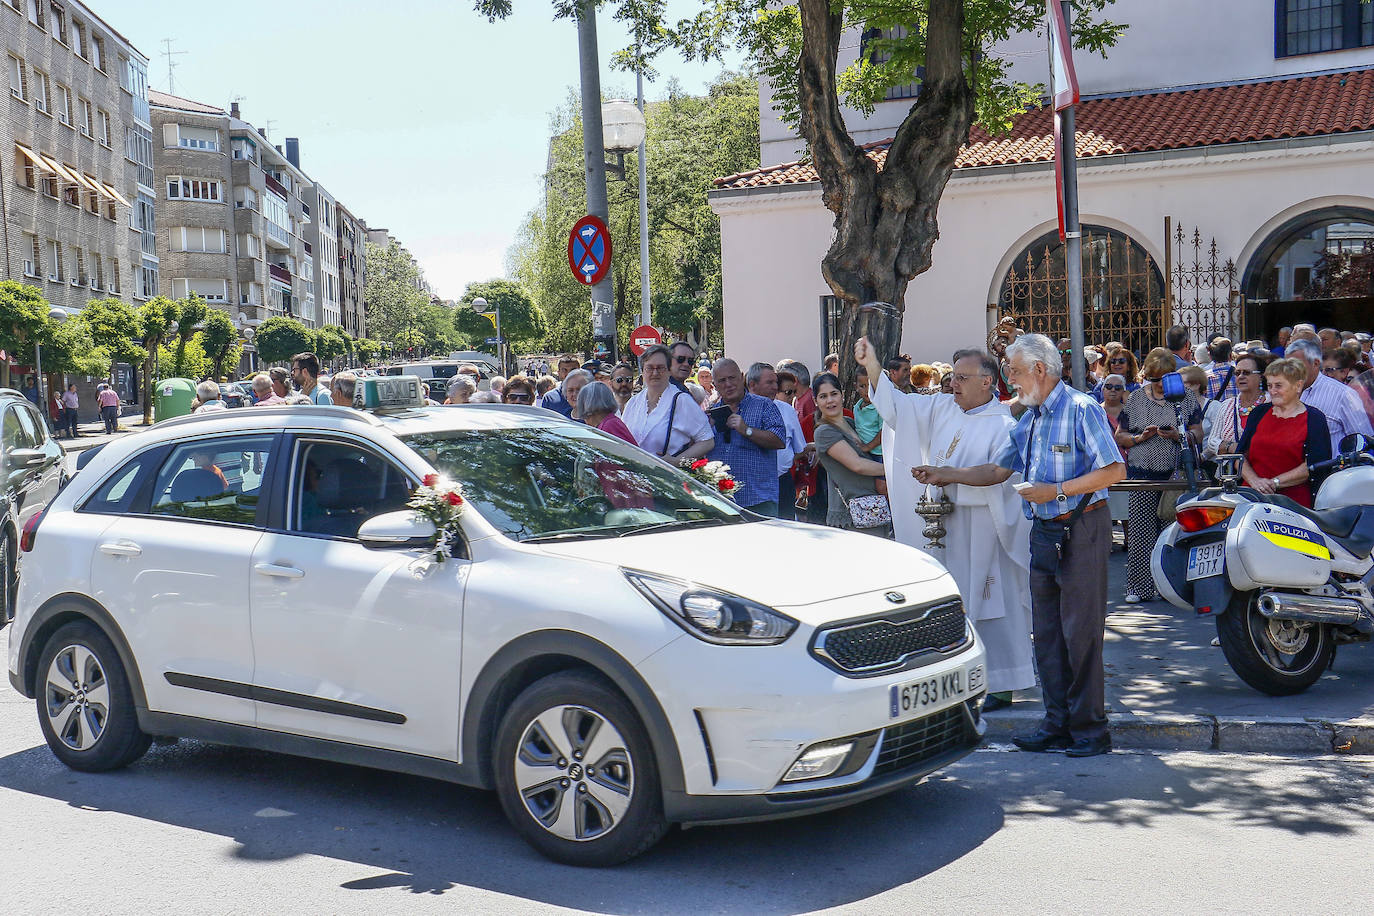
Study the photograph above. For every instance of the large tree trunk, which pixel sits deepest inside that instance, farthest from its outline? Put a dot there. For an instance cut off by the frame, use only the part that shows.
(885, 222)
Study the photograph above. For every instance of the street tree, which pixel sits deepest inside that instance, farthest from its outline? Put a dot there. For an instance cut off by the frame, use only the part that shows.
(280, 338)
(114, 326)
(522, 322)
(70, 347)
(366, 350)
(391, 294)
(330, 343)
(885, 219)
(219, 339)
(155, 319)
(24, 321)
(191, 312)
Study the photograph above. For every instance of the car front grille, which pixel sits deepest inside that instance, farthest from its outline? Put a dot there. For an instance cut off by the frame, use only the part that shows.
(883, 644)
(911, 743)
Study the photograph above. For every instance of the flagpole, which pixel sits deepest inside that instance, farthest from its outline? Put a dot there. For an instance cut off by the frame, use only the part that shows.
(1073, 235)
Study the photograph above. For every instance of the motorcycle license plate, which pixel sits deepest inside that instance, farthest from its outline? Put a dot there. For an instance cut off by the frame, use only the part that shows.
(1206, 560)
(911, 698)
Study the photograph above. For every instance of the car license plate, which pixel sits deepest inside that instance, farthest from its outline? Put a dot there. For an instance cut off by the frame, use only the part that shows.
(1206, 560)
(913, 697)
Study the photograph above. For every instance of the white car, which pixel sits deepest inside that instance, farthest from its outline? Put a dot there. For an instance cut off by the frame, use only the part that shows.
(614, 647)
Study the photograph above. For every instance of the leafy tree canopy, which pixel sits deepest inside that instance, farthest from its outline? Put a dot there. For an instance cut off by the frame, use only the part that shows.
(280, 338)
(115, 326)
(220, 341)
(522, 322)
(391, 295)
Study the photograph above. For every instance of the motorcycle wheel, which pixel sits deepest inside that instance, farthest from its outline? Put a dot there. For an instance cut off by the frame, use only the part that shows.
(1277, 657)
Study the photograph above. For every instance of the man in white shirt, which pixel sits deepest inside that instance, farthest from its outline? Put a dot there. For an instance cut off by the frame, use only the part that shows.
(1339, 403)
(207, 392)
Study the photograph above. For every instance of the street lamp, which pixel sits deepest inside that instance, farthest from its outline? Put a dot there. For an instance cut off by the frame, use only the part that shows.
(624, 130)
(55, 314)
(480, 305)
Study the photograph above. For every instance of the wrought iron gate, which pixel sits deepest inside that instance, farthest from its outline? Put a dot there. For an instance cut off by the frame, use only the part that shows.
(1123, 290)
(1204, 293)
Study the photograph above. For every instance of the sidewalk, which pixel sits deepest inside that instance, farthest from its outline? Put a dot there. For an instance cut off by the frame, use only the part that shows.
(1168, 688)
(93, 434)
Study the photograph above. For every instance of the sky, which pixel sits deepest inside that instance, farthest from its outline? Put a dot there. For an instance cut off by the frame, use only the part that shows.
(418, 115)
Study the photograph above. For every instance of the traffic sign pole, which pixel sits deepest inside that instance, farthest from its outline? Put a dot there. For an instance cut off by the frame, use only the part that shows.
(593, 145)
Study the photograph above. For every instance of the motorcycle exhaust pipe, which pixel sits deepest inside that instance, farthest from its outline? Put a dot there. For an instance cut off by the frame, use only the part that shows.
(1315, 608)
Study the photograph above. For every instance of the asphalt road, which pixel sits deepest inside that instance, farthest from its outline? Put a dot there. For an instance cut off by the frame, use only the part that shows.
(194, 828)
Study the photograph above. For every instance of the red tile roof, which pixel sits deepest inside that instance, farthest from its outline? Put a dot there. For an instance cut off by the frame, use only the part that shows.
(1180, 119)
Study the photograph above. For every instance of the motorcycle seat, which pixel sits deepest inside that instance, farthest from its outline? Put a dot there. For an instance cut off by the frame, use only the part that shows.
(1352, 526)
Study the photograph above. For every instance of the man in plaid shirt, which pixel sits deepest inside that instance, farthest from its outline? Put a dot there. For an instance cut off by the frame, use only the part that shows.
(1221, 378)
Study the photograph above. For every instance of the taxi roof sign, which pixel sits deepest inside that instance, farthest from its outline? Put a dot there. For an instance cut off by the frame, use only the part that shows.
(388, 392)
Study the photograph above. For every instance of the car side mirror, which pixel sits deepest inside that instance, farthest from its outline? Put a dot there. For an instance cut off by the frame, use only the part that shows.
(397, 530)
(20, 458)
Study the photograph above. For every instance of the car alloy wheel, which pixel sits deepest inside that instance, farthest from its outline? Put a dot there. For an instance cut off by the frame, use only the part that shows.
(76, 697)
(574, 773)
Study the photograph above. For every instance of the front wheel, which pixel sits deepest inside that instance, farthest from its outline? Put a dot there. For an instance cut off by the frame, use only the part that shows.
(1277, 657)
(576, 774)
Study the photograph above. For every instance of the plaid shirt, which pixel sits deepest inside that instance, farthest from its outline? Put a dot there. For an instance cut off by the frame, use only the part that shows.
(755, 468)
(1216, 376)
(1066, 437)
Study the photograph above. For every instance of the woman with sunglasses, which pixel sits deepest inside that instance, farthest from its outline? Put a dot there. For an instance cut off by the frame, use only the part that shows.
(1235, 412)
(1148, 427)
(518, 390)
(663, 418)
(1120, 361)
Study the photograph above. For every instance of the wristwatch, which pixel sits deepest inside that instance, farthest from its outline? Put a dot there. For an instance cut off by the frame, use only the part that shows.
(748, 432)
(1060, 494)
(1275, 482)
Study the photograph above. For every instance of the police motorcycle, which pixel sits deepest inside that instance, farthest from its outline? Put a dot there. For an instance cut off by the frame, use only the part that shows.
(1286, 584)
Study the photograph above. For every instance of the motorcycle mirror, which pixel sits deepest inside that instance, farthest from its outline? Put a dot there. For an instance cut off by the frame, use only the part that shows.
(1356, 442)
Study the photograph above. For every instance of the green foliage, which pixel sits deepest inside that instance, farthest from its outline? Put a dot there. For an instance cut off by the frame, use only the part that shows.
(394, 303)
(366, 350)
(219, 339)
(522, 322)
(690, 141)
(280, 338)
(24, 321)
(71, 348)
(184, 358)
(436, 330)
(190, 313)
(115, 327)
(155, 319)
(330, 343)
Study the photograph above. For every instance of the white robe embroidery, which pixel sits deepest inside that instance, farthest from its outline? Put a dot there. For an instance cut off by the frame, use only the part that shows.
(994, 583)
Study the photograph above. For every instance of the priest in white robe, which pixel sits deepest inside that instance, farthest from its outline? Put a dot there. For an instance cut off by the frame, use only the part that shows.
(935, 437)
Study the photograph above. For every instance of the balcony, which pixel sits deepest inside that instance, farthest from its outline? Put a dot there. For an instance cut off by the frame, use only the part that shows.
(279, 273)
(307, 247)
(275, 185)
(276, 236)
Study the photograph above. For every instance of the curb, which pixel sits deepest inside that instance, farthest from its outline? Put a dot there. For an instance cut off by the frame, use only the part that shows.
(1228, 734)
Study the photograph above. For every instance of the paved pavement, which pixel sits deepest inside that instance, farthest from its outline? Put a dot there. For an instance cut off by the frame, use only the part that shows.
(93, 434)
(1169, 688)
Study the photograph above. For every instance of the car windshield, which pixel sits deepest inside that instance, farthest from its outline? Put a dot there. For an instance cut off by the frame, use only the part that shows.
(569, 481)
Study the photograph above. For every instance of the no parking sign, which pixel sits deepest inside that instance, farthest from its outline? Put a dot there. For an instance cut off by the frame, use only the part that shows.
(589, 250)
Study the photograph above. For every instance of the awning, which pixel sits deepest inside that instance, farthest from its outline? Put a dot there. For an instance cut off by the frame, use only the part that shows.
(86, 182)
(110, 189)
(33, 157)
(59, 169)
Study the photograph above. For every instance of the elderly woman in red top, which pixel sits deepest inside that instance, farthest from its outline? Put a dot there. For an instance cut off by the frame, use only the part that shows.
(1285, 437)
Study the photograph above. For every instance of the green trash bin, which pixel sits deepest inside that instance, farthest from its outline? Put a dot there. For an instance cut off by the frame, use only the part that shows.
(172, 397)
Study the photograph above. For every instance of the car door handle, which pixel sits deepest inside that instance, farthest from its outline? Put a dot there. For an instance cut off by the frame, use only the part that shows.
(122, 549)
(280, 572)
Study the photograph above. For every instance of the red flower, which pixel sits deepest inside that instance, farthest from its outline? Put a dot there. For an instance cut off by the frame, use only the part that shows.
(726, 485)
(454, 499)
(699, 464)
(430, 480)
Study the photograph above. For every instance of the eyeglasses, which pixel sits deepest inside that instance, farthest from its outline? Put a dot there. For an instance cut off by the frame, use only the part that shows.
(1331, 370)
(789, 391)
(620, 380)
(518, 397)
(1118, 359)
(653, 369)
(1113, 387)
(1246, 373)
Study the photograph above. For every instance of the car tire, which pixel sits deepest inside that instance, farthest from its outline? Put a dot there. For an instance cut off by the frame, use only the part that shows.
(85, 706)
(576, 773)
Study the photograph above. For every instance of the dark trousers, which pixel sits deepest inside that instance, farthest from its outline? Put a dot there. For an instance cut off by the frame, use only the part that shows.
(787, 497)
(111, 417)
(1068, 618)
(69, 420)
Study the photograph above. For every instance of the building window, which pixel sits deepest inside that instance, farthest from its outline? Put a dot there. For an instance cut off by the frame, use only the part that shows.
(190, 137)
(250, 246)
(54, 261)
(42, 91)
(33, 254)
(878, 58)
(138, 148)
(79, 40)
(64, 104)
(98, 276)
(97, 52)
(79, 277)
(209, 290)
(147, 288)
(71, 191)
(250, 294)
(142, 220)
(102, 120)
(36, 13)
(1314, 26)
(179, 188)
(832, 322)
(57, 23)
(85, 121)
(198, 238)
(93, 197)
(18, 82)
(114, 276)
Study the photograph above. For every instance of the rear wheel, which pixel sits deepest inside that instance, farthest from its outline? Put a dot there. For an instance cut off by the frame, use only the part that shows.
(85, 706)
(576, 774)
(1277, 657)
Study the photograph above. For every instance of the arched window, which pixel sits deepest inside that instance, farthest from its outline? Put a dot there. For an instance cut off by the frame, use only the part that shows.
(1317, 268)
(1123, 290)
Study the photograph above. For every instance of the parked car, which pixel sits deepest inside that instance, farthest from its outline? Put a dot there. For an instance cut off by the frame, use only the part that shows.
(255, 578)
(33, 467)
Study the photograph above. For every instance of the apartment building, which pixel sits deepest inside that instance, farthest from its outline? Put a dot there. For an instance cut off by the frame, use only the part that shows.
(352, 245)
(321, 239)
(76, 173)
(234, 214)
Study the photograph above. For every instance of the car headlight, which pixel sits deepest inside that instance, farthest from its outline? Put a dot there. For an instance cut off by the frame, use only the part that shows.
(712, 615)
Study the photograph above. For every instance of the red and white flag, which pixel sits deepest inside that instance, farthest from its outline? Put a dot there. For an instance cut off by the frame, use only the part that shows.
(1063, 89)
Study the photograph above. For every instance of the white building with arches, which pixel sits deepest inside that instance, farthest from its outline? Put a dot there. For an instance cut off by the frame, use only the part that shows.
(1250, 125)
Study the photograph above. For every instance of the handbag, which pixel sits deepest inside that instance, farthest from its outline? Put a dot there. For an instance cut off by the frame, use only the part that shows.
(1167, 510)
(870, 511)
